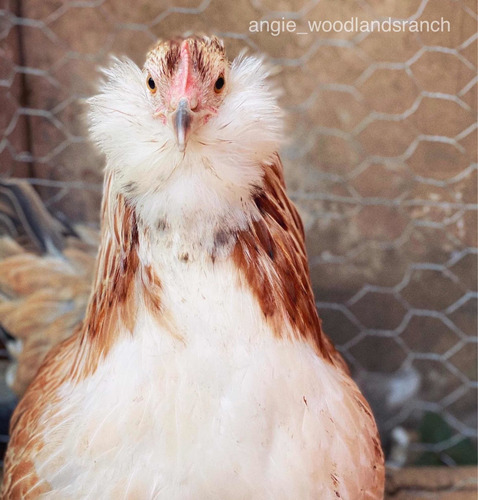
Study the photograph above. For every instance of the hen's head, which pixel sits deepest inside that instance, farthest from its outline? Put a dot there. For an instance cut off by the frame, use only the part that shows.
(190, 124)
(187, 80)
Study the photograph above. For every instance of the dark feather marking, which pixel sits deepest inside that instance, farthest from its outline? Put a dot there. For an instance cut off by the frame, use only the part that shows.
(130, 187)
(221, 238)
(273, 261)
(119, 277)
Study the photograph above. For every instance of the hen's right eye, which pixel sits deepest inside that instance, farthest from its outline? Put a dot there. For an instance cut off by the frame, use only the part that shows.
(151, 84)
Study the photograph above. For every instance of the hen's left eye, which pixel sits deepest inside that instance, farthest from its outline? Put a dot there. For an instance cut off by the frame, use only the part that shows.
(219, 85)
(151, 84)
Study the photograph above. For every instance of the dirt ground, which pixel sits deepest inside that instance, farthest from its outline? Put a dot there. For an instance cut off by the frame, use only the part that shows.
(438, 483)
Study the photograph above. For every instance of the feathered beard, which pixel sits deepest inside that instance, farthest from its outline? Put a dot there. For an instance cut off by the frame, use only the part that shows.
(223, 163)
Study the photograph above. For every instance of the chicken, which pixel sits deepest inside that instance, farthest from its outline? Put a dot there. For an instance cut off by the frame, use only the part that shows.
(45, 281)
(201, 369)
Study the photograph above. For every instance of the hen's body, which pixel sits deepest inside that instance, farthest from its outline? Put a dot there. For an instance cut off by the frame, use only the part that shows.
(201, 370)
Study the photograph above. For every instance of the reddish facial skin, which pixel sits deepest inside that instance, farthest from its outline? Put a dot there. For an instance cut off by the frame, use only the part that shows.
(180, 74)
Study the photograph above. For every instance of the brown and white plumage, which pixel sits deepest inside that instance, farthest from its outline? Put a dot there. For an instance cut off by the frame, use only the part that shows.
(201, 370)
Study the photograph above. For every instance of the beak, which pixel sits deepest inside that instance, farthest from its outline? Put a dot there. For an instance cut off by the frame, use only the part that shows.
(182, 119)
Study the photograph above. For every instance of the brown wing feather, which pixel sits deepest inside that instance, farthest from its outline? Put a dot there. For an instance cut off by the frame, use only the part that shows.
(20, 479)
(273, 259)
(119, 280)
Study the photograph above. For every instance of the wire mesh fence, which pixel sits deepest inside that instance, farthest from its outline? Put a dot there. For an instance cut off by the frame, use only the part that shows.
(380, 157)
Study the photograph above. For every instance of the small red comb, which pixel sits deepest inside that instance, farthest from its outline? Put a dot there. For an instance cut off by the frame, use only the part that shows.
(185, 80)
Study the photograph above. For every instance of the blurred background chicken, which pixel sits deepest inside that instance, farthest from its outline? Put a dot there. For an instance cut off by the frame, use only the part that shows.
(46, 270)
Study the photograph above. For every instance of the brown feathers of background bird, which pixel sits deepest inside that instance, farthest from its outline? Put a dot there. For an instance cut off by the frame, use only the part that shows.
(46, 270)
